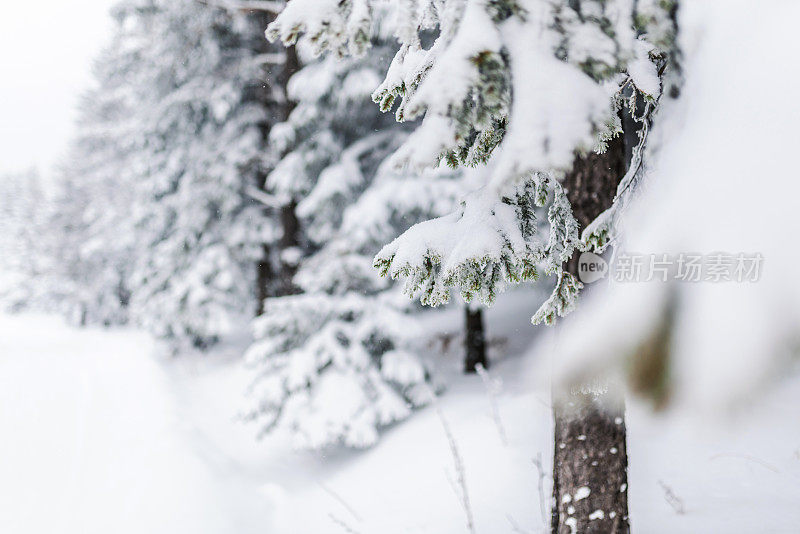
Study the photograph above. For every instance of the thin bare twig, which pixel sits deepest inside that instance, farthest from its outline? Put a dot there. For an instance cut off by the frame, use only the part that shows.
(347, 528)
(672, 498)
(514, 526)
(759, 461)
(540, 470)
(338, 498)
(543, 402)
(493, 388)
(458, 463)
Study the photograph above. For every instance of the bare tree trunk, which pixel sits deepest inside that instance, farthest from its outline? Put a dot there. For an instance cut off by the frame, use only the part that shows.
(264, 276)
(590, 462)
(274, 274)
(475, 341)
(290, 224)
(290, 241)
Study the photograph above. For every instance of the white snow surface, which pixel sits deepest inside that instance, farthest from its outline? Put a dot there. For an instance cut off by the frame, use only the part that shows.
(101, 435)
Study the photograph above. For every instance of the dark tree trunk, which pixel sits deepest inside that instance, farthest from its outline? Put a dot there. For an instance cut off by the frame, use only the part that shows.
(290, 225)
(590, 462)
(264, 277)
(274, 275)
(474, 341)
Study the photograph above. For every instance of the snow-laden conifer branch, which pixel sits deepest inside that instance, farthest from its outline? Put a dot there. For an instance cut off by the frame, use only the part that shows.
(479, 249)
(344, 359)
(271, 201)
(517, 88)
(340, 366)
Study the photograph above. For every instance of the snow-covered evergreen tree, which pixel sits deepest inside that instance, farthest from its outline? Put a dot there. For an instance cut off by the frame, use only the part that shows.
(514, 87)
(91, 255)
(341, 359)
(22, 235)
(152, 217)
(198, 233)
(522, 90)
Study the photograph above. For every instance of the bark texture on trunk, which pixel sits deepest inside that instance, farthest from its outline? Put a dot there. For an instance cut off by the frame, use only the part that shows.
(590, 461)
(475, 341)
(592, 183)
(590, 464)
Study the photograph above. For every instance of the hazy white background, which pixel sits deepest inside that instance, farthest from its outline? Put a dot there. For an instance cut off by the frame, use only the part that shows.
(46, 51)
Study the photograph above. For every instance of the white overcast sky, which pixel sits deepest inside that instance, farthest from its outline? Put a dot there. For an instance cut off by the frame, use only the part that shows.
(46, 52)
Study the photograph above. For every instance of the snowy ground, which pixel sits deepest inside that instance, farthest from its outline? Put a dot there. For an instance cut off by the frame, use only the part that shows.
(99, 435)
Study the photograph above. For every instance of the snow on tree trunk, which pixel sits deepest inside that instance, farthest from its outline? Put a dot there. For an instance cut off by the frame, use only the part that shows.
(474, 341)
(590, 463)
(590, 460)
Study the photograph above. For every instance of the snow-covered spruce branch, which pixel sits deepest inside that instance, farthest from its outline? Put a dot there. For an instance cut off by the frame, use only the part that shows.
(271, 201)
(343, 360)
(463, 83)
(561, 302)
(566, 73)
(334, 368)
(487, 244)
